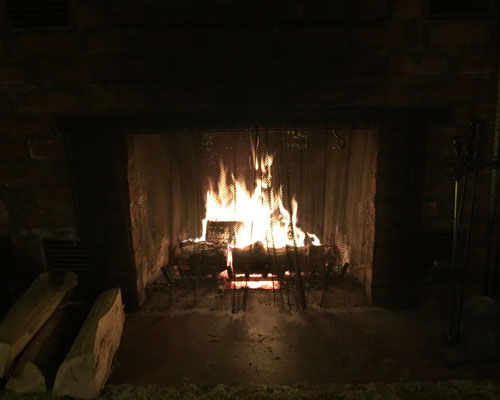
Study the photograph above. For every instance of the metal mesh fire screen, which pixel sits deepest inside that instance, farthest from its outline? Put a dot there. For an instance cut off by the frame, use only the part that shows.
(329, 171)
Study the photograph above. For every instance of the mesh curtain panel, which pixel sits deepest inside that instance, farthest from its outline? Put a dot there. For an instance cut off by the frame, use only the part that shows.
(329, 170)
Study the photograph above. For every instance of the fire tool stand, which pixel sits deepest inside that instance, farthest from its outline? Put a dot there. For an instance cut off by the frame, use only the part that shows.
(466, 167)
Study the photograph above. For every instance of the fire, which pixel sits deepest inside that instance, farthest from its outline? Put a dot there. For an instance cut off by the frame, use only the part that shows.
(261, 212)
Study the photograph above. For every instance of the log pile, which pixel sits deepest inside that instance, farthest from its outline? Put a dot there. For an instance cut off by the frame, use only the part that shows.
(85, 369)
(36, 368)
(256, 258)
(30, 313)
(207, 257)
(203, 258)
(43, 342)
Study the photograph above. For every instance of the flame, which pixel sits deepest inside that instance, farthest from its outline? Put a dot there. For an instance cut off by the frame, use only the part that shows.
(262, 213)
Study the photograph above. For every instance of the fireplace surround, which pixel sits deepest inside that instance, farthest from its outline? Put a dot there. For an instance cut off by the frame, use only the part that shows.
(139, 184)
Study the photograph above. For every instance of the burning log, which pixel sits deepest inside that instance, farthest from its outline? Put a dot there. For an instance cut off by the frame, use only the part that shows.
(86, 367)
(253, 258)
(315, 258)
(256, 258)
(30, 312)
(203, 257)
(36, 369)
(223, 232)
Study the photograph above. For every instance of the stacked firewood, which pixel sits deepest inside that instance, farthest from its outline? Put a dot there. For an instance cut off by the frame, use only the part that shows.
(258, 258)
(209, 258)
(46, 342)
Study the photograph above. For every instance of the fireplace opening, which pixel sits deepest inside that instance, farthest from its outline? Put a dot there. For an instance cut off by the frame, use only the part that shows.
(288, 209)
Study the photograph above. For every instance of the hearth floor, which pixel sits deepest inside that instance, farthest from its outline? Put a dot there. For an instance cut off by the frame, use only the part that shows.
(175, 339)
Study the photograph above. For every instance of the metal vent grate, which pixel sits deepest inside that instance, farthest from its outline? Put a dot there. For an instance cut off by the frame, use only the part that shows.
(67, 255)
(459, 8)
(37, 14)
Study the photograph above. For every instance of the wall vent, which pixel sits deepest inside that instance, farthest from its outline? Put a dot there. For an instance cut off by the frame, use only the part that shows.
(83, 259)
(460, 8)
(37, 14)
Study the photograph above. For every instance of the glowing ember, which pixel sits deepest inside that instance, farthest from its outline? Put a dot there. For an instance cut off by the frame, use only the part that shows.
(255, 284)
(262, 214)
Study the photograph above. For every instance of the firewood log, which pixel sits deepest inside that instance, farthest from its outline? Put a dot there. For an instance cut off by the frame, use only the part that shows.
(203, 257)
(37, 366)
(30, 312)
(85, 369)
(315, 258)
(252, 258)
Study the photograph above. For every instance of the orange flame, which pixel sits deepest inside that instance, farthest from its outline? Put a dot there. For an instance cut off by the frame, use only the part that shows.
(262, 214)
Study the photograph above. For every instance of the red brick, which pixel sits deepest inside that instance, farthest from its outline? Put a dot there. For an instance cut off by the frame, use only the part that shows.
(54, 100)
(288, 39)
(12, 151)
(90, 16)
(26, 173)
(478, 64)
(127, 13)
(417, 65)
(459, 34)
(15, 74)
(24, 125)
(3, 22)
(75, 73)
(106, 43)
(100, 98)
(462, 90)
(439, 139)
(130, 98)
(54, 195)
(47, 149)
(465, 113)
(169, 43)
(4, 213)
(371, 9)
(47, 44)
(406, 8)
(30, 246)
(390, 36)
(40, 219)
(138, 70)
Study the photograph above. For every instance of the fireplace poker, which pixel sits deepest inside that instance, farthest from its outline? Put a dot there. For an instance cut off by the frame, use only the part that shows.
(465, 163)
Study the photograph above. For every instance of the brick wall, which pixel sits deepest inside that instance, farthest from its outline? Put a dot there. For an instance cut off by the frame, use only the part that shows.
(126, 57)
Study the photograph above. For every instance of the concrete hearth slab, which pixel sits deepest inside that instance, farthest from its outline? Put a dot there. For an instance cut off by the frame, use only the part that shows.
(172, 340)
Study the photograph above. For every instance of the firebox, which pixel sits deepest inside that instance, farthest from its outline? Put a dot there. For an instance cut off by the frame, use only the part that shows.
(255, 205)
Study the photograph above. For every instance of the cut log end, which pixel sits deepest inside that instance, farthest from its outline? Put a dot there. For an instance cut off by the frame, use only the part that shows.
(28, 379)
(87, 365)
(29, 314)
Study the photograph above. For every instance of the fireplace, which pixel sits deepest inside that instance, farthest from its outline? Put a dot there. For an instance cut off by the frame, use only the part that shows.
(252, 204)
(265, 202)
